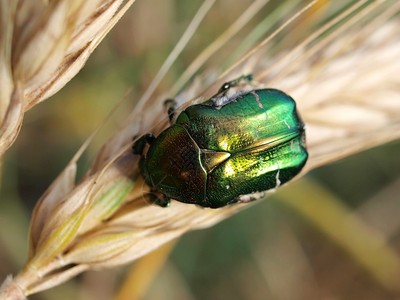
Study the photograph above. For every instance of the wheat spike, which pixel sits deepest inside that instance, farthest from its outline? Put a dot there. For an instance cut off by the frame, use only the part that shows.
(347, 88)
(43, 45)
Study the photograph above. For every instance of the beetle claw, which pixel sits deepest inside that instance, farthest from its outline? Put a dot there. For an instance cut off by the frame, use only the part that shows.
(227, 85)
(160, 200)
(138, 146)
(171, 104)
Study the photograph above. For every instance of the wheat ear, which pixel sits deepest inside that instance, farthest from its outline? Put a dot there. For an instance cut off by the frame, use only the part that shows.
(347, 88)
(43, 45)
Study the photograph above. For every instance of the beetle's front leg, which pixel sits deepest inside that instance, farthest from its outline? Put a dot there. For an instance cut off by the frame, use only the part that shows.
(227, 85)
(138, 146)
(159, 199)
(170, 104)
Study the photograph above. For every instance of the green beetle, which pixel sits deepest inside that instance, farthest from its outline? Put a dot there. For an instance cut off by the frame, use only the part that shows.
(227, 149)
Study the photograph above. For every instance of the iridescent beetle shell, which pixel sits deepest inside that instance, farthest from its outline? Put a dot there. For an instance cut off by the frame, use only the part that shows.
(217, 154)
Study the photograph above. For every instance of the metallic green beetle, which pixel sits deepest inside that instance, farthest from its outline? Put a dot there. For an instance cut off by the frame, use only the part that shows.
(225, 150)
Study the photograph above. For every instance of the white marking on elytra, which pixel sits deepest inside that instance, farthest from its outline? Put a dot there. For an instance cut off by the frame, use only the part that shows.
(278, 182)
(250, 197)
(260, 104)
(286, 123)
(257, 99)
(256, 132)
(291, 144)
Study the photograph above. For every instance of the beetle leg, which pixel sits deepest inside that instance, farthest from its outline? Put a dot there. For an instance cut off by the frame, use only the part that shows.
(235, 82)
(171, 104)
(138, 146)
(160, 200)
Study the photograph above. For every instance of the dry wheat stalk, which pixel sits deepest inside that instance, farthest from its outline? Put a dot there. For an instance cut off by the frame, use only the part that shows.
(348, 92)
(43, 44)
